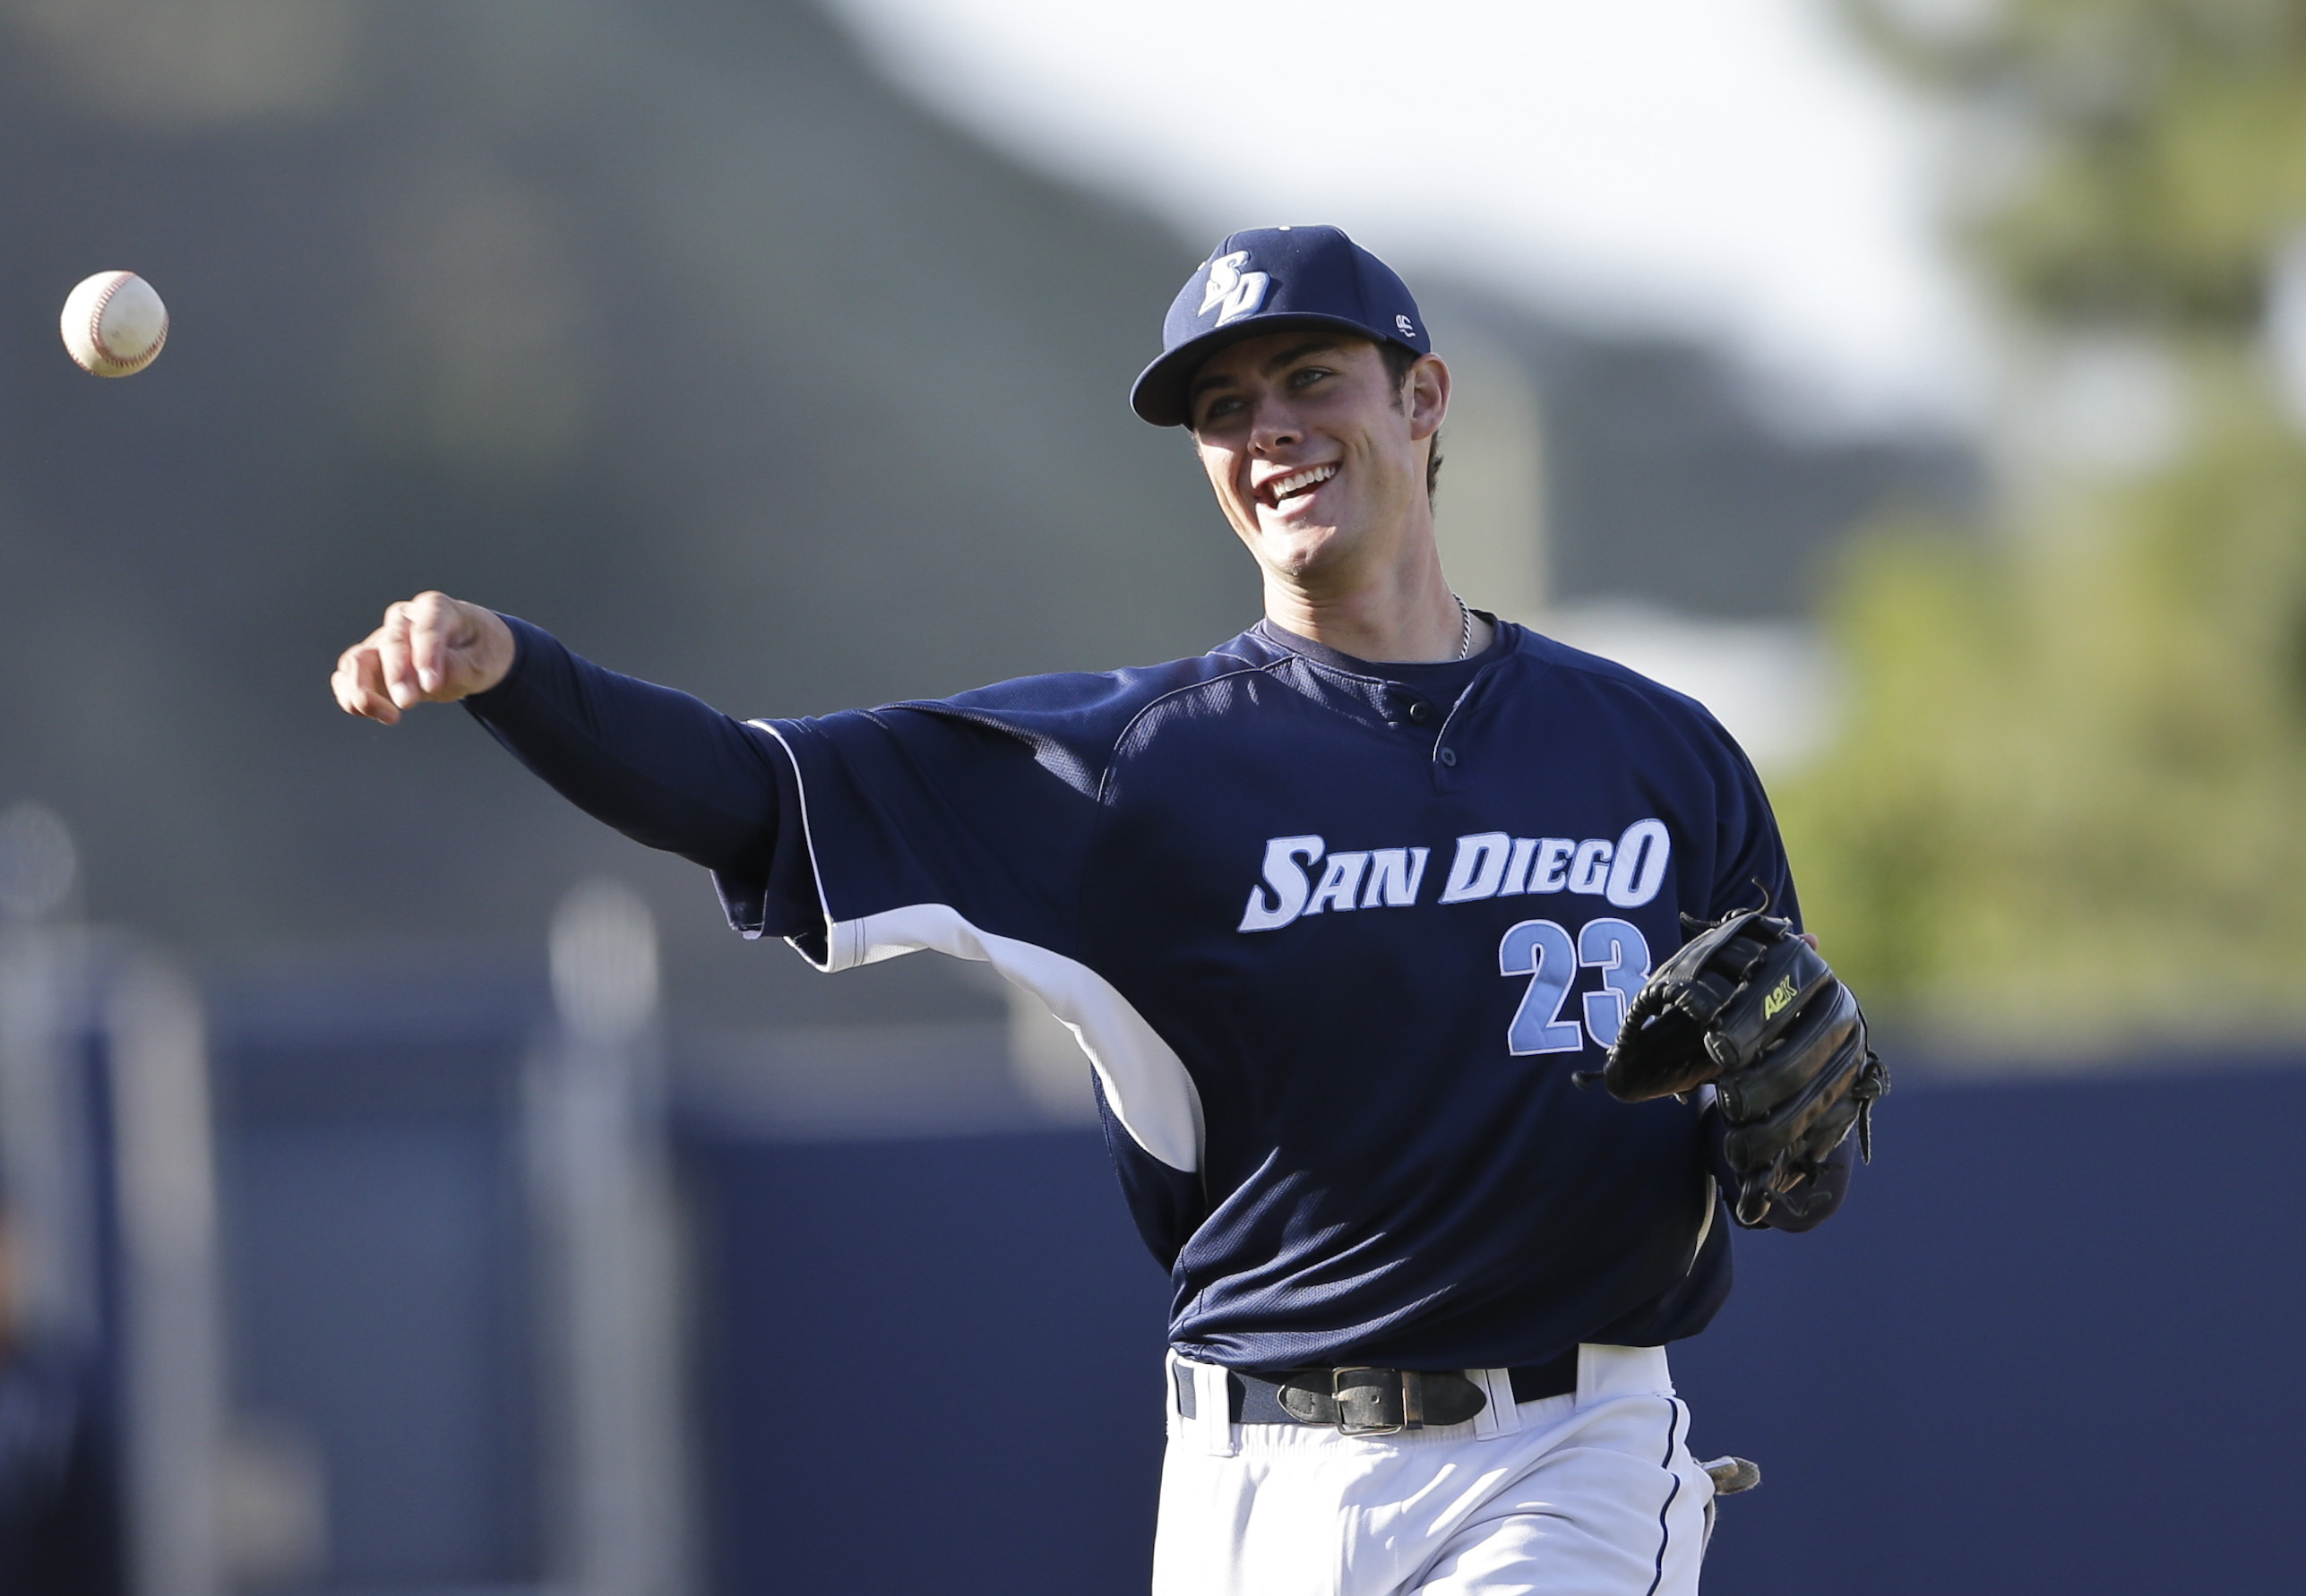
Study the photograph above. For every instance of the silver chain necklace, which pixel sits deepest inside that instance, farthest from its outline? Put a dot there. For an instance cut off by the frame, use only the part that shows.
(1464, 627)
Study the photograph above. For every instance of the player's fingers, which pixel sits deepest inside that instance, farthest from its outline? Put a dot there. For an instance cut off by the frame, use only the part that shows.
(344, 680)
(428, 622)
(392, 641)
(359, 685)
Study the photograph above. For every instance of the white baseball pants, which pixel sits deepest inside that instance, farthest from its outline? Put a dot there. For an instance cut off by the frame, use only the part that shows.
(1593, 1494)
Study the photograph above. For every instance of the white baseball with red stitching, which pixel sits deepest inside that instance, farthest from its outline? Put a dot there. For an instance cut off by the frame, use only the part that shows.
(114, 324)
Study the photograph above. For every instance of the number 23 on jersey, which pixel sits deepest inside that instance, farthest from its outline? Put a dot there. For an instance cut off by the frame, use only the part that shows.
(1544, 951)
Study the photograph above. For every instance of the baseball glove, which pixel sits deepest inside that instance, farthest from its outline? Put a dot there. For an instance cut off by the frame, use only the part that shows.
(1749, 1007)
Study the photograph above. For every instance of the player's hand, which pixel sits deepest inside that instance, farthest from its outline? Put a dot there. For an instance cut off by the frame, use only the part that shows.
(432, 649)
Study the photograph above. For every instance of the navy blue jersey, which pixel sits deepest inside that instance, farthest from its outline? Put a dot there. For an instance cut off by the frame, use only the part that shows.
(1334, 935)
(1335, 947)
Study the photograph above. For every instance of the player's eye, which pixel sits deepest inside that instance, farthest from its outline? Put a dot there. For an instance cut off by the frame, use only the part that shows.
(1217, 409)
(1305, 376)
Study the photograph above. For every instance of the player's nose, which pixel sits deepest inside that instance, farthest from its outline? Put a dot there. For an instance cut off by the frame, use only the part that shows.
(1275, 427)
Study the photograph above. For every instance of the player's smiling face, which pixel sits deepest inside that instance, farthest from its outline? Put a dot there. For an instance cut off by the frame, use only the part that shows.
(1316, 457)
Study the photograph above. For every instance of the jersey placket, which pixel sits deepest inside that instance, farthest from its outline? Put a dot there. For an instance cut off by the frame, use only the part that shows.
(1448, 759)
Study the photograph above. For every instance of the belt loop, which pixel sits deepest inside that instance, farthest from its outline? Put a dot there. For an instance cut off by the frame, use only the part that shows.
(1176, 1380)
(1499, 1416)
(1212, 1419)
(1605, 1372)
(1594, 1370)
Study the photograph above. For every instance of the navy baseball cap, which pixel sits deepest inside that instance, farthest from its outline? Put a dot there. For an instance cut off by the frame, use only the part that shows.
(1271, 279)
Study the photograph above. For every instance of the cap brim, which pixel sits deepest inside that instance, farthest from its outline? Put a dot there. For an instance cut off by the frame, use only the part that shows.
(1159, 394)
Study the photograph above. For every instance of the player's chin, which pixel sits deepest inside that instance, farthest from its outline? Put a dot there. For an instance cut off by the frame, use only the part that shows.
(1296, 544)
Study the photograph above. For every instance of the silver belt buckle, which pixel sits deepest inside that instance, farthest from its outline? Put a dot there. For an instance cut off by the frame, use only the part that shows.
(1408, 1382)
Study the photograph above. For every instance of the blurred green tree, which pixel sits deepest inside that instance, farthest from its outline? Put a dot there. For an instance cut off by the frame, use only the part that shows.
(2067, 807)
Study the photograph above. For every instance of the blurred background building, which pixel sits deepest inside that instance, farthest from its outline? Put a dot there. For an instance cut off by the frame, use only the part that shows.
(413, 1187)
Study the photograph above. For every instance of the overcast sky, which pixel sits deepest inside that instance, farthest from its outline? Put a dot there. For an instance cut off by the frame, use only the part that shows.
(1731, 167)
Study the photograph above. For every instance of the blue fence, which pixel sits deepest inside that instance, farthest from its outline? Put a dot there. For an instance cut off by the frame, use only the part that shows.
(932, 1366)
(380, 1265)
(2049, 1346)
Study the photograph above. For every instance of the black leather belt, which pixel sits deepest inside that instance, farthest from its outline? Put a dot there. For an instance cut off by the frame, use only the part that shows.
(1372, 1402)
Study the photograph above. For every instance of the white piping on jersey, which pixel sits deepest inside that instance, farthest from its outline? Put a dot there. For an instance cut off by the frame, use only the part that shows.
(1702, 1099)
(1146, 1084)
(1705, 1225)
(808, 841)
(1112, 757)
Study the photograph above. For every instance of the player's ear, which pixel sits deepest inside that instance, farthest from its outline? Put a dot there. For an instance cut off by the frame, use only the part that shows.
(1428, 395)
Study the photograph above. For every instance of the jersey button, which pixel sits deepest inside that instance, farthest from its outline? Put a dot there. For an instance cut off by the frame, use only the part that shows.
(1449, 756)
(1420, 712)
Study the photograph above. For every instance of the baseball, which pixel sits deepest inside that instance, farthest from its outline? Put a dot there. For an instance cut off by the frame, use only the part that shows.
(114, 324)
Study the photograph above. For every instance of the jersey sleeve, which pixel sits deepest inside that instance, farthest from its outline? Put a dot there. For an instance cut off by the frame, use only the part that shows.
(664, 768)
(1754, 864)
(927, 826)
(1751, 856)
(1750, 866)
(909, 813)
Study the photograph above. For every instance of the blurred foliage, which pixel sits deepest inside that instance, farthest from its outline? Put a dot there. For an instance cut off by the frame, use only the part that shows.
(2071, 795)
(2067, 809)
(2132, 159)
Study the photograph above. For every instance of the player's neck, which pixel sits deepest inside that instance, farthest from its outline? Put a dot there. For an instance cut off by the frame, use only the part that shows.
(1402, 614)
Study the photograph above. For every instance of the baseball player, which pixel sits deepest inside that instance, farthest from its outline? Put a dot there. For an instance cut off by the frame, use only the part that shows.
(1337, 911)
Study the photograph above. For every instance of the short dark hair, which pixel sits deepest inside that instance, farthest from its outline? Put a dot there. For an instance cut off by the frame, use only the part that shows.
(1399, 359)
